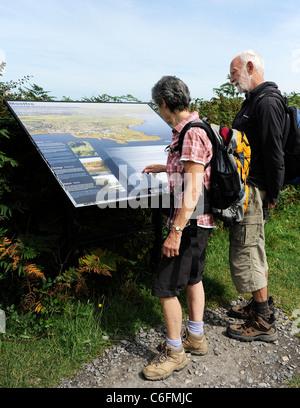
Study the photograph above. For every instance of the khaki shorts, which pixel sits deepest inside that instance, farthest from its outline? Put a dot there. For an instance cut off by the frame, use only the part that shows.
(247, 256)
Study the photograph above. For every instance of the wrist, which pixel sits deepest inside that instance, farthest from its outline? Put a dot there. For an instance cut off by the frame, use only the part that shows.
(176, 228)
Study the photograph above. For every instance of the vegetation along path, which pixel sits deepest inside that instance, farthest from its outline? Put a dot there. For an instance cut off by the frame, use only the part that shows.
(229, 363)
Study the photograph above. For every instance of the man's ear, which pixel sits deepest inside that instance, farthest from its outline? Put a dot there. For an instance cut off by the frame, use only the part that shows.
(250, 67)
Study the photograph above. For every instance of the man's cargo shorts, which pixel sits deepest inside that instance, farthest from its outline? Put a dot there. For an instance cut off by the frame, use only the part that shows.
(247, 256)
(174, 274)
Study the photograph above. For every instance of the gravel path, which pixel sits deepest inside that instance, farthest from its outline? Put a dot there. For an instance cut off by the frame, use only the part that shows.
(229, 363)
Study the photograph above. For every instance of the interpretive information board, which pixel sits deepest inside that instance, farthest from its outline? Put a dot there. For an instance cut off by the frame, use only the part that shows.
(97, 151)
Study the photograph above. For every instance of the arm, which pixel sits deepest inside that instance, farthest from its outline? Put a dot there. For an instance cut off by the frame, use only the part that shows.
(194, 177)
(155, 168)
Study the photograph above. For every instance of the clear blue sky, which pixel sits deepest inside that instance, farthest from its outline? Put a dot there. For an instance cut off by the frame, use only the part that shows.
(81, 48)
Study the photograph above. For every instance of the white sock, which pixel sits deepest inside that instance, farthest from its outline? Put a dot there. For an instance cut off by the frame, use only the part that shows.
(195, 327)
(175, 343)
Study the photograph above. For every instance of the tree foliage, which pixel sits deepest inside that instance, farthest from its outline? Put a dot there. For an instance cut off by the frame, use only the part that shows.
(222, 108)
(109, 98)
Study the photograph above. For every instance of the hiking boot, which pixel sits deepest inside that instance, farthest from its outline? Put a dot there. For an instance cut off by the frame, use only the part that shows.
(193, 343)
(243, 312)
(167, 361)
(254, 328)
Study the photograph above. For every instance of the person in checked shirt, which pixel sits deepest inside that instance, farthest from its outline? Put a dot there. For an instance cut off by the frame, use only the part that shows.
(178, 269)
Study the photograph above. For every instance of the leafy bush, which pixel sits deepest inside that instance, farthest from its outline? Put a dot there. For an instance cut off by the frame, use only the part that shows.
(221, 109)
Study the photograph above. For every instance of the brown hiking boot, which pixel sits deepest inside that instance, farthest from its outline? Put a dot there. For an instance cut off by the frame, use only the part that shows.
(167, 361)
(243, 312)
(254, 328)
(193, 343)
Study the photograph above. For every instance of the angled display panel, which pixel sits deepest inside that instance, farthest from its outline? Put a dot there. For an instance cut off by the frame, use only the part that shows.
(97, 151)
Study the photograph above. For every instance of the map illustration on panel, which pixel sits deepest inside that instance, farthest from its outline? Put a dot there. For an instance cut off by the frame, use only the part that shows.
(97, 151)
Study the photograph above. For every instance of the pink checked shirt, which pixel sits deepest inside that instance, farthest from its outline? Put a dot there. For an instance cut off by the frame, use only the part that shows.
(196, 148)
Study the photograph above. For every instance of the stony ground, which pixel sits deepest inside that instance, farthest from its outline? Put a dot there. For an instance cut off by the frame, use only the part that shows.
(229, 363)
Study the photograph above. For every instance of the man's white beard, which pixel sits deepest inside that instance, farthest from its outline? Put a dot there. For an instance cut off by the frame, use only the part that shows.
(244, 83)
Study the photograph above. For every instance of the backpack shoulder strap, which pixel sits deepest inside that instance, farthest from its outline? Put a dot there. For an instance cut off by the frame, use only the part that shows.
(275, 95)
(285, 105)
(203, 125)
(259, 97)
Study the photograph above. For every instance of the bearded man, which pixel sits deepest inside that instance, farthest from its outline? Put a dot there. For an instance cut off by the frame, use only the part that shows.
(263, 118)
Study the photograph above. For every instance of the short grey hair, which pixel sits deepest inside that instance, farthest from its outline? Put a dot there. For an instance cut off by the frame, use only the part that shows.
(174, 91)
(255, 58)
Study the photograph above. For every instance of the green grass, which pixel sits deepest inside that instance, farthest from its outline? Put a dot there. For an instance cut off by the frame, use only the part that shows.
(282, 243)
(75, 338)
(75, 335)
(282, 232)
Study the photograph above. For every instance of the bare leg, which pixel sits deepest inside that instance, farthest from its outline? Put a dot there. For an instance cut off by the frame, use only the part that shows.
(261, 301)
(261, 295)
(173, 316)
(195, 301)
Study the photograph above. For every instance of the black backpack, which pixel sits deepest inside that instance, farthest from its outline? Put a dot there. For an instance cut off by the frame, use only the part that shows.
(292, 146)
(227, 198)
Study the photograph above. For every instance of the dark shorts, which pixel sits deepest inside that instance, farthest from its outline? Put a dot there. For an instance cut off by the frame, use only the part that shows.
(174, 274)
